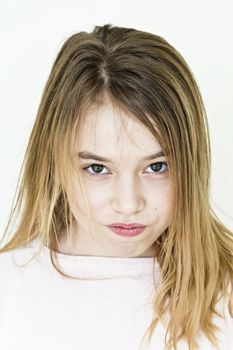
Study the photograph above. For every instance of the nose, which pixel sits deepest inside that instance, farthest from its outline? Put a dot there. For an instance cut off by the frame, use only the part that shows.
(128, 198)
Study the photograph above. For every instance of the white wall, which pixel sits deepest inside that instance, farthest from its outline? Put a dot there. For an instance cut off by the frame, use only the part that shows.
(32, 32)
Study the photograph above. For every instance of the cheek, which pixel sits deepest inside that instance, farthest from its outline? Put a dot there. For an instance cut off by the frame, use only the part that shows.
(93, 194)
(168, 205)
(162, 199)
(160, 194)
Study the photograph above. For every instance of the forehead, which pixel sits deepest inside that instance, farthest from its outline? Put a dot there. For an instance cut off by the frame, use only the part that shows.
(109, 131)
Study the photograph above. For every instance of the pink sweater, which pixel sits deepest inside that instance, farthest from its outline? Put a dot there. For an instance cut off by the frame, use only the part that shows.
(40, 309)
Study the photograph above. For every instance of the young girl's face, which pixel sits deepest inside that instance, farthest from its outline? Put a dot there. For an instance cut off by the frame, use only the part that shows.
(123, 188)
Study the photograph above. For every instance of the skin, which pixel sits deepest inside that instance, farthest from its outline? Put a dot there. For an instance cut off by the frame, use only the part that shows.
(128, 190)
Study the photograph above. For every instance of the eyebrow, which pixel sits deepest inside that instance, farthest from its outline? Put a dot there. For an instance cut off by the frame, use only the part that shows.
(90, 155)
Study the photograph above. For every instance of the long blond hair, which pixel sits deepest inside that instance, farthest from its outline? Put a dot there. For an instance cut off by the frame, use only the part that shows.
(142, 74)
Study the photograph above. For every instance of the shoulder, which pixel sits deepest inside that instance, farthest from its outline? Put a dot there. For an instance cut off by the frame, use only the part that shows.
(7, 263)
(8, 276)
(10, 262)
(14, 265)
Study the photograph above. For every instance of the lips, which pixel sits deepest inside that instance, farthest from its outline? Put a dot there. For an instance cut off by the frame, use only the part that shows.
(127, 226)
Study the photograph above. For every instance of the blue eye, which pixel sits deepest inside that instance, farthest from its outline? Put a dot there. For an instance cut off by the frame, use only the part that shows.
(98, 168)
(158, 166)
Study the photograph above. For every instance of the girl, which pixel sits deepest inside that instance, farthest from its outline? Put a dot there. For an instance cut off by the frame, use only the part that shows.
(117, 243)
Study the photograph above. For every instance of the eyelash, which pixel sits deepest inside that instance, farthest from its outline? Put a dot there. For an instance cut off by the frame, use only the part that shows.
(98, 174)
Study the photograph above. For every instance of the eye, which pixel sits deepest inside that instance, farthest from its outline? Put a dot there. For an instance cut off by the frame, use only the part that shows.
(157, 167)
(97, 168)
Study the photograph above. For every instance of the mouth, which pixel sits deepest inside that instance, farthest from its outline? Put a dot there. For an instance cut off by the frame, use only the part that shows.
(126, 231)
(127, 226)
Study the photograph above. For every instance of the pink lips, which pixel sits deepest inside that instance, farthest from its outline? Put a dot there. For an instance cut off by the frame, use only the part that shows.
(129, 230)
(121, 224)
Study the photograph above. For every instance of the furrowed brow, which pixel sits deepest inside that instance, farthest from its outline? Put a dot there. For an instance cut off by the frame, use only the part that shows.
(90, 155)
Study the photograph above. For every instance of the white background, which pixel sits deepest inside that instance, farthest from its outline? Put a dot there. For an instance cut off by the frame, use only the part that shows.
(32, 32)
